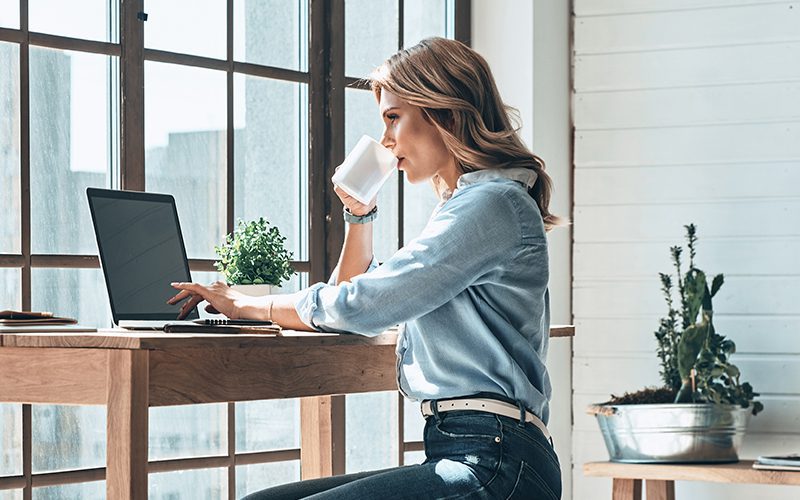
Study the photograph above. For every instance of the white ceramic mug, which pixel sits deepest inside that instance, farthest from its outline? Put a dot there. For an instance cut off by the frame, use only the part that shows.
(365, 169)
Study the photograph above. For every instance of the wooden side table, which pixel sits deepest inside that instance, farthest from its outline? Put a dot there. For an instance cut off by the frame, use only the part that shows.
(660, 478)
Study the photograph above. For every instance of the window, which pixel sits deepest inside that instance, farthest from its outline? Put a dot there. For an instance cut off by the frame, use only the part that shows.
(248, 106)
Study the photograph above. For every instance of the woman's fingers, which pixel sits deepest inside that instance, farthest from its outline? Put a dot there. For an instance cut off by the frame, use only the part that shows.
(352, 204)
(220, 297)
(187, 306)
(179, 297)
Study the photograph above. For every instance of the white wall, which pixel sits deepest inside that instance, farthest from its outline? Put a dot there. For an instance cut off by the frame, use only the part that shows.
(687, 111)
(527, 47)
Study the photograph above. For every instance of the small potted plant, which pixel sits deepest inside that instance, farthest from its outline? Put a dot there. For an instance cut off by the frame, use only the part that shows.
(253, 258)
(702, 411)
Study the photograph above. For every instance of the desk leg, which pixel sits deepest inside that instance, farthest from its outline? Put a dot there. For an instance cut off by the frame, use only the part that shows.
(660, 490)
(321, 436)
(126, 449)
(627, 489)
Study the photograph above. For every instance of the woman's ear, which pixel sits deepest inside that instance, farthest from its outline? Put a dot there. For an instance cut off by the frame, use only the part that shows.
(443, 117)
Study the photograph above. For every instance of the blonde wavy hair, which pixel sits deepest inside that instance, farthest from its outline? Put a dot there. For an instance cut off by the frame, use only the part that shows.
(455, 89)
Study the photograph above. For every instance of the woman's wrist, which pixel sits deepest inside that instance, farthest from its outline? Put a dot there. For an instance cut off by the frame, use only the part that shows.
(252, 308)
(352, 218)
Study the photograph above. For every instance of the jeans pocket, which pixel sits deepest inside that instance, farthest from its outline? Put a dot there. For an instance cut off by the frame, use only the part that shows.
(530, 485)
(475, 441)
(456, 425)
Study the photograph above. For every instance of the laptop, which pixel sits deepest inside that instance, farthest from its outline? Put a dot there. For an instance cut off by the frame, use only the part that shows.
(141, 252)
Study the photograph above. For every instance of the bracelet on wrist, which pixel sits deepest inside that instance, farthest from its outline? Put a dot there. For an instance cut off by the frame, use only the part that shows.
(351, 218)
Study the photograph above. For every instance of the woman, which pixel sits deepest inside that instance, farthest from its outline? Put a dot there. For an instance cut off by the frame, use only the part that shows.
(470, 293)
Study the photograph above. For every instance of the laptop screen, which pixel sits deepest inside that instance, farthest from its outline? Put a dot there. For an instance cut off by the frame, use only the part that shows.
(141, 251)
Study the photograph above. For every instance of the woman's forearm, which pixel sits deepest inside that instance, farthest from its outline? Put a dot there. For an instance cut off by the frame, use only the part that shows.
(356, 252)
(278, 308)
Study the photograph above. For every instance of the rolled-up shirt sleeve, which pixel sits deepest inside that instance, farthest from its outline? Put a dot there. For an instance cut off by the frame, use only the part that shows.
(455, 249)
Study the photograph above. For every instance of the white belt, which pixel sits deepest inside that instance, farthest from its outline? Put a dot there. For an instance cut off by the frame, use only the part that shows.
(484, 405)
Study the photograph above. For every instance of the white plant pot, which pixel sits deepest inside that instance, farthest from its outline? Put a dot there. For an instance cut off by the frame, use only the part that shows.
(253, 290)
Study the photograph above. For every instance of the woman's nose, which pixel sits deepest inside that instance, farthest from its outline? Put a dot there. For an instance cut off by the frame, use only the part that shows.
(386, 140)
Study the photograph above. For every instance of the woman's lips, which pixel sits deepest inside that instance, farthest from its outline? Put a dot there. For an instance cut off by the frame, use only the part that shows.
(400, 162)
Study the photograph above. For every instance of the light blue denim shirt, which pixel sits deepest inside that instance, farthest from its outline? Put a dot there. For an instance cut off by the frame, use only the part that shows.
(470, 295)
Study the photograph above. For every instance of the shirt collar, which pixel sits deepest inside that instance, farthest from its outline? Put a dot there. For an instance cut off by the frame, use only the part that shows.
(524, 176)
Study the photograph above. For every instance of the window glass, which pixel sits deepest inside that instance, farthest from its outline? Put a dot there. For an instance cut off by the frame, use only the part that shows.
(88, 19)
(252, 478)
(362, 117)
(208, 484)
(413, 421)
(296, 283)
(9, 147)
(423, 18)
(186, 148)
(67, 437)
(9, 14)
(267, 425)
(10, 494)
(188, 431)
(371, 431)
(80, 491)
(271, 33)
(77, 293)
(413, 457)
(10, 439)
(71, 146)
(271, 162)
(10, 289)
(196, 27)
(370, 31)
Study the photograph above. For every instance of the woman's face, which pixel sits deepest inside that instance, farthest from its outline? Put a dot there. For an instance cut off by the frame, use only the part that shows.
(414, 141)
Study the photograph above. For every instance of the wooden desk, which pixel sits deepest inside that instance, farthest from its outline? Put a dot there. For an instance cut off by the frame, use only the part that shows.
(660, 478)
(130, 372)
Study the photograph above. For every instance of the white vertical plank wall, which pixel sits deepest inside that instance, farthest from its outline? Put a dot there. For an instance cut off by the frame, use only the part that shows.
(686, 111)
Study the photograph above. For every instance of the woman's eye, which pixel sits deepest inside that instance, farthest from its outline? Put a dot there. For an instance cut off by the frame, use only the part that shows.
(391, 117)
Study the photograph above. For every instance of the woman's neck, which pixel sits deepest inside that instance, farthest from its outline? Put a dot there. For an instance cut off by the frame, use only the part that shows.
(450, 174)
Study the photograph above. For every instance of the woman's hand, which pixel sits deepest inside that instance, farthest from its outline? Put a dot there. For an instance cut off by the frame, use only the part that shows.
(220, 297)
(353, 205)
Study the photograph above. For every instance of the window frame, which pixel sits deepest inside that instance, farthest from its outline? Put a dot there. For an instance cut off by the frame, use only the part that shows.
(326, 80)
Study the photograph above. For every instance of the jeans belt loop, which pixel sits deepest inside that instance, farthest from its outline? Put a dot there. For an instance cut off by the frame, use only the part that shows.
(522, 415)
(434, 407)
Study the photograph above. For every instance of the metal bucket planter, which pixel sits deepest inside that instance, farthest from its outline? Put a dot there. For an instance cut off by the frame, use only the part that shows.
(670, 433)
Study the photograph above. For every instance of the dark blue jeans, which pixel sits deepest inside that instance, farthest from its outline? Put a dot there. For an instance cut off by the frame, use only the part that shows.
(470, 455)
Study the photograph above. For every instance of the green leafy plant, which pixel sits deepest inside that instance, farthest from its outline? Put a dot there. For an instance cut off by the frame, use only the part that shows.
(254, 254)
(695, 362)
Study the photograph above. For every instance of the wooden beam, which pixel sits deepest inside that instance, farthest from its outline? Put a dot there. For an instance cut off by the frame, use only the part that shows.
(131, 81)
(127, 426)
(206, 376)
(740, 472)
(321, 446)
(31, 375)
(660, 490)
(626, 489)
(76, 44)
